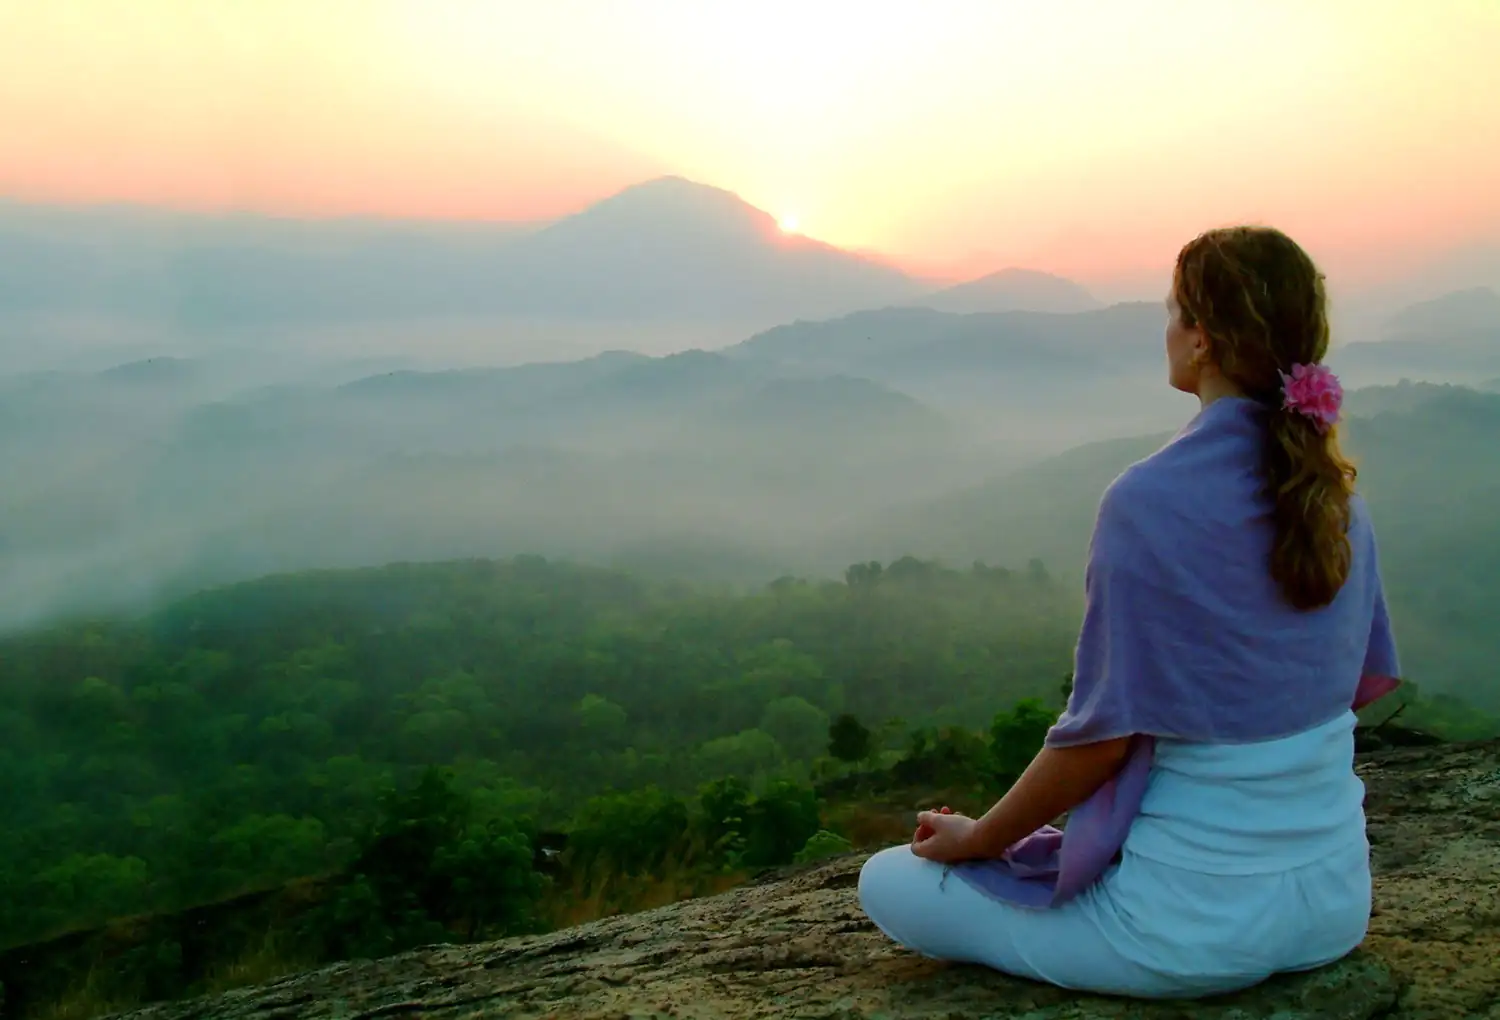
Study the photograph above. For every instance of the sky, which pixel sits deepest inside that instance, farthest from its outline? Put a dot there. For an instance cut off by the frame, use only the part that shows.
(1090, 138)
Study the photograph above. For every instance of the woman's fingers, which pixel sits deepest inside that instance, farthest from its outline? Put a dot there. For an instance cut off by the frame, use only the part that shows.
(926, 826)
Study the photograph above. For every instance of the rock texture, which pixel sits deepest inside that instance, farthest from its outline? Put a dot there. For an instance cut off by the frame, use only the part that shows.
(798, 946)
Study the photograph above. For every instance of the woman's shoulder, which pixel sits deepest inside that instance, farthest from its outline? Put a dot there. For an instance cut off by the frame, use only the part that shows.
(1148, 481)
(1137, 505)
(1215, 457)
(1361, 526)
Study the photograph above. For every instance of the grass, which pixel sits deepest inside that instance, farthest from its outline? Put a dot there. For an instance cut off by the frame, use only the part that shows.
(84, 1002)
(603, 891)
(265, 961)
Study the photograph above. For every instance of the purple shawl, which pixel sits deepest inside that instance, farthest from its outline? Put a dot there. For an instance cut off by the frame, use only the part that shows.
(1185, 636)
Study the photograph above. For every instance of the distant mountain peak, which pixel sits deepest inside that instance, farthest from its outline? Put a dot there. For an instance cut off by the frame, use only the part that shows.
(676, 201)
(1471, 308)
(674, 184)
(1013, 289)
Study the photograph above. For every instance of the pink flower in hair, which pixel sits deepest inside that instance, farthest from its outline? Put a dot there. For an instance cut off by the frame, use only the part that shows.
(1313, 391)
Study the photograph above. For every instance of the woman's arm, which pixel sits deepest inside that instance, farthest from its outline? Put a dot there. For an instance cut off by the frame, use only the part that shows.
(1057, 780)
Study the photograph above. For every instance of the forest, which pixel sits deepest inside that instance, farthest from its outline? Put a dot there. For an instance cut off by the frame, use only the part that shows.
(245, 735)
(477, 748)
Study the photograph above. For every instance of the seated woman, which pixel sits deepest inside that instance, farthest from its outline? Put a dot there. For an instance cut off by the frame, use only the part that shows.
(1234, 619)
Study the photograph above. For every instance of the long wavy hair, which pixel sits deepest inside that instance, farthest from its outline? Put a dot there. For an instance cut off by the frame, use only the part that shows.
(1263, 307)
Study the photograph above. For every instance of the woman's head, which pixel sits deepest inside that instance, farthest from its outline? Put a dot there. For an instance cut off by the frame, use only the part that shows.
(1247, 306)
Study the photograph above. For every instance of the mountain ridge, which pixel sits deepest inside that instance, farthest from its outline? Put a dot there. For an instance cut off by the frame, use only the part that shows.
(1014, 289)
(665, 249)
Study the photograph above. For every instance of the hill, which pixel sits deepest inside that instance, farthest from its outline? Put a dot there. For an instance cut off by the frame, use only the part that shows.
(1043, 511)
(1464, 357)
(1012, 290)
(126, 492)
(1404, 396)
(894, 338)
(1453, 338)
(1029, 383)
(672, 248)
(664, 250)
(1476, 308)
(158, 476)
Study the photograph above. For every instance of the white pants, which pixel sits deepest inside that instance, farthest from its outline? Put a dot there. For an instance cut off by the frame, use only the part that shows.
(1145, 929)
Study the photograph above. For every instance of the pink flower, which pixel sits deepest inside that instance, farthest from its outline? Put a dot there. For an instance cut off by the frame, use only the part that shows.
(1314, 391)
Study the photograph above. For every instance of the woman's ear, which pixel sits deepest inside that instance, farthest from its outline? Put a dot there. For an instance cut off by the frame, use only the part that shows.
(1202, 355)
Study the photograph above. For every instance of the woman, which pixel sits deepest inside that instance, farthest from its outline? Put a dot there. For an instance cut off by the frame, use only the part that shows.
(1234, 617)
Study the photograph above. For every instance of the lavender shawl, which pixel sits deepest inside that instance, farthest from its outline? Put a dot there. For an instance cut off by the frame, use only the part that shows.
(1185, 636)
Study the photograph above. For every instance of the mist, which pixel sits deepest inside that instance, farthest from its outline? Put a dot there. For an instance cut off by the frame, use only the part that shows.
(191, 401)
(474, 470)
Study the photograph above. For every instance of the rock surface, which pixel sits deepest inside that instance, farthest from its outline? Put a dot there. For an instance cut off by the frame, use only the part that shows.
(798, 946)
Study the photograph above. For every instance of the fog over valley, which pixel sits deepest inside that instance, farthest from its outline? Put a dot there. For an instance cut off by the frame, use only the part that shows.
(260, 396)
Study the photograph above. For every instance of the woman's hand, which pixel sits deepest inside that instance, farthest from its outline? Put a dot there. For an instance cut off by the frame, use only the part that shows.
(944, 837)
(1057, 780)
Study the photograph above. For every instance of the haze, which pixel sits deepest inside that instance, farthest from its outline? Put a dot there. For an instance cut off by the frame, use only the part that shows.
(710, 291)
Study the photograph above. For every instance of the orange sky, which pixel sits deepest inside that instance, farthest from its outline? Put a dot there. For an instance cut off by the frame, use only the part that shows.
(1085, 137)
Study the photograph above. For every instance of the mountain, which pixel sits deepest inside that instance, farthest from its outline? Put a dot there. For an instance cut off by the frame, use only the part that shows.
(1028, 383)
(1041, 511)
(661, 251)
(1454, 338)
(1403, 396)
(1460, 311)
(224, 270)
(672, 248)
(963, 342)
(1460, 356)
(1012, 290)
(127, 485)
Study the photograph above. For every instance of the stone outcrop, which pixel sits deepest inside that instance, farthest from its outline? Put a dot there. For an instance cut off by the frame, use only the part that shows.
(797, 945)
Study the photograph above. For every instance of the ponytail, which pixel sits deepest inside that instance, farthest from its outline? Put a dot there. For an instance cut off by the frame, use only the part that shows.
(1310, 484)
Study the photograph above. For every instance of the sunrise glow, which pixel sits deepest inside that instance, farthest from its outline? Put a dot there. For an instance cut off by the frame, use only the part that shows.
(1082, 136)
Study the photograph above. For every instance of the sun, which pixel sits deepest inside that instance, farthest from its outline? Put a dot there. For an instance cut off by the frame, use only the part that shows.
(789, 224)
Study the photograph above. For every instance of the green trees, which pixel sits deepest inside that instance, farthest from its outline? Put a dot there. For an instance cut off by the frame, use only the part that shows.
(242, 737)
(848, 740)
(822, 844)
(749, 753)
(779, 823)
(1017, 735)
(728, 828)
(603, 725)
(94, 885)
(428, 871)
(630, 832)
(797, 725)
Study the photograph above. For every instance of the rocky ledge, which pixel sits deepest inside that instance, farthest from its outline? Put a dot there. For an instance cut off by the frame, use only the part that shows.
(796, 945)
